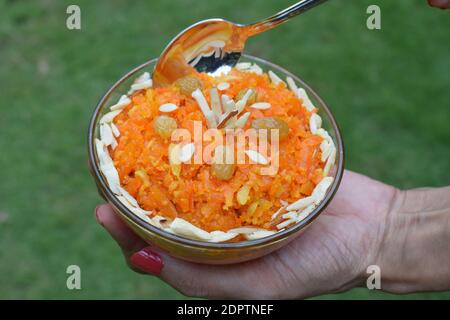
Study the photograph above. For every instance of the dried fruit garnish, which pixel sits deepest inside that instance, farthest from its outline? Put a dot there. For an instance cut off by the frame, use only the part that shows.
(164, 126)
(271, 123)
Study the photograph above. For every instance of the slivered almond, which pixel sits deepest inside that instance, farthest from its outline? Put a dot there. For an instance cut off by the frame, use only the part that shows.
(115, 130)
(240, 105)
(301, 203)
(106, 134)
(204, 107)
(315, 122)
(274, 78)
(109, 117)
(122, 103)
(142, 85)
(184, 228)
(168, 107)
(284, 224)
(292, 86)
(301, 93)
(261, 105)
(243, 65)
(330, 161)
(215, 103)
(240, 123)
(305, 213)
(259, 234)
(129, 197)
(225, 117)
(220, 236)
(256, 157)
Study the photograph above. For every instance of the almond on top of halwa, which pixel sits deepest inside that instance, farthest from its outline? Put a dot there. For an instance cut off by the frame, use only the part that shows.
(217, 188)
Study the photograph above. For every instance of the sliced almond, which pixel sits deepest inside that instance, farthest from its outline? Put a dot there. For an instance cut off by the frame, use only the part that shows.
(284, 224)
(183, 228)
(145, 76)
(122, 103)
(220, 236)
(255, 69)
(256, 157)
(330, 161)
(244, 230)
(315, 122)
(321, 189)
(142, 85)
(243, 65)
(259, 234)
(106, 134)
(240, 123)
(274, 78)
(129, 197)
(261, 105)
(109, 117)
(204, 107)
(112, 176)
(240, 105)
(115, 130)
(291, 84)
(305, 213)
(168, 107)
(225, 117)
(301, 93)
(215, 103)
(301, 203)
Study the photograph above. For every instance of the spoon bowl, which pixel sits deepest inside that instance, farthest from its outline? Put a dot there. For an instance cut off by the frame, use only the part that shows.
(212, 44)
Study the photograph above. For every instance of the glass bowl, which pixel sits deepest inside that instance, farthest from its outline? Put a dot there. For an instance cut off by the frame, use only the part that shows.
(200, 251)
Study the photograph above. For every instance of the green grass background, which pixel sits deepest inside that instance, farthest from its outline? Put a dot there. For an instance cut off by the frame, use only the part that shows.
(389, 90)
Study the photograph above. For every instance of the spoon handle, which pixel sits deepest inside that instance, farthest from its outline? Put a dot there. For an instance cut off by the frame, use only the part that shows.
(282, 16)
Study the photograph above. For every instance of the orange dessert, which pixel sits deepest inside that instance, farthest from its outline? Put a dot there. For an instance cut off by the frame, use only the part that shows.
(210, 197)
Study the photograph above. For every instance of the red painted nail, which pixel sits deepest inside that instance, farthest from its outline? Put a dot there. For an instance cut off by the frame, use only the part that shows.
(147, 261)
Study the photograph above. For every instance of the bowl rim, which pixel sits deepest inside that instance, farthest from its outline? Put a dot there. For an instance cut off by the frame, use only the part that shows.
(278, 236)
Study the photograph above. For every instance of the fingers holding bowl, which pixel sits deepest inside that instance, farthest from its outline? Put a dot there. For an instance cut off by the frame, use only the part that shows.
(189, 278)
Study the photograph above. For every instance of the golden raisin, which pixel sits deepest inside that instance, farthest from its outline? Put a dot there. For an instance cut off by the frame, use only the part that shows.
(223, 171)
(164, 126)
(188, 84)
(272, 123)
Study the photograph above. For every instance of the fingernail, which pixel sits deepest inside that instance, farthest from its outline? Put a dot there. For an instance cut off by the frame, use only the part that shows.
(97, 215)
(147, 261)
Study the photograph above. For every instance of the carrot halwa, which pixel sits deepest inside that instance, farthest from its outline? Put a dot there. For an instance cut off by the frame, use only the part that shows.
(216, 197)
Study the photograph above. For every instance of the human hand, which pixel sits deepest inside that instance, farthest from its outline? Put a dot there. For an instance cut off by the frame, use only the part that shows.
(330, 256)
(443, 4)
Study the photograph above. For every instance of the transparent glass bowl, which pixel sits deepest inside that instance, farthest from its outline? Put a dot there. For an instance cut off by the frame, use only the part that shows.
(200, 251)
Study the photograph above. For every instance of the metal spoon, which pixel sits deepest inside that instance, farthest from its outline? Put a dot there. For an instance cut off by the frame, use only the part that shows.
(214, 43)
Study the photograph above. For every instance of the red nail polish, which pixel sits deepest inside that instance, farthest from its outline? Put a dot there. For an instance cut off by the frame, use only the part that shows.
(147, 261)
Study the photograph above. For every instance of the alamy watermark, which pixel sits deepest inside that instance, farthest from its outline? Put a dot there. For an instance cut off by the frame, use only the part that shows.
(73, 21)
(374, 20)
(374, 280)
(73, 281)
(231, 146)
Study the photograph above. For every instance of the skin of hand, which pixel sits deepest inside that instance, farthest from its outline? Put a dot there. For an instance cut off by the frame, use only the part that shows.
(330, 256)
(443, 4)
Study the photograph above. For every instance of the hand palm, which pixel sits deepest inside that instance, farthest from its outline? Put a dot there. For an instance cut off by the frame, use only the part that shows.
(327, 257)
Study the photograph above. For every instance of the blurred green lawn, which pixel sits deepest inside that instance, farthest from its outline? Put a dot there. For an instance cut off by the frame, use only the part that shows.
(389, 90)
